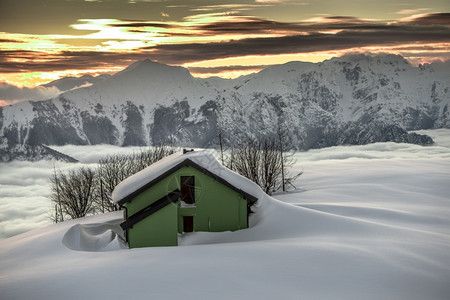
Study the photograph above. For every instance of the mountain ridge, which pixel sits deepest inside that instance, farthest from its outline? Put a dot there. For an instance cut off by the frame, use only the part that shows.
(354, 99)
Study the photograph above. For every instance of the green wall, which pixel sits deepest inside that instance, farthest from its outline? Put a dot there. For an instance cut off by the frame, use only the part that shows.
(217, 208)
(160, 229)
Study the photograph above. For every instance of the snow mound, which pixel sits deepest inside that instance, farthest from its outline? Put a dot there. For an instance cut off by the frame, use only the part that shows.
(95, 237)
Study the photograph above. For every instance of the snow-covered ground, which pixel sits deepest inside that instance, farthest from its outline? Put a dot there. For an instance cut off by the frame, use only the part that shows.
(366, 222)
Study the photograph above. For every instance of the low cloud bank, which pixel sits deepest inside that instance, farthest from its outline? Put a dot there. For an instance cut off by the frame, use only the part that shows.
(10, 94)
(92, 154)
(388, 150)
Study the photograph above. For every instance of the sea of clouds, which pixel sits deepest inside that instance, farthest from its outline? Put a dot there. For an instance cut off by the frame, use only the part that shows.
(25, 188)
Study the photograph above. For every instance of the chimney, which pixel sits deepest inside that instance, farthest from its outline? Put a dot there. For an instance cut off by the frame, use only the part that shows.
(187, 151)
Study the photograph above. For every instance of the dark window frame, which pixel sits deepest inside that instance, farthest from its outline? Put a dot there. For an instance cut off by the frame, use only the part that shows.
(187, 187)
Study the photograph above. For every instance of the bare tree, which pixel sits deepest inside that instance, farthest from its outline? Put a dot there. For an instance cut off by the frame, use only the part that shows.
(259, 161)
(56, 215)
(287, 149)
(221, 148)
(115, 168)
(264, 161)
(110, 171)
(73, 193)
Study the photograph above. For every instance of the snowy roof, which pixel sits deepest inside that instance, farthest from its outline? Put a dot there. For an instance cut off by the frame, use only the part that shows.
(203, 160)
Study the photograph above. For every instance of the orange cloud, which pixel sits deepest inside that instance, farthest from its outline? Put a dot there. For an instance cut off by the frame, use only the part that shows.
(216, 41)
(412, 11)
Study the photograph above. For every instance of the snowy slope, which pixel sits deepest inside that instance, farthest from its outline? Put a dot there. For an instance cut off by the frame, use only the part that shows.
(25, 152)
(307, 251)
(366, 222)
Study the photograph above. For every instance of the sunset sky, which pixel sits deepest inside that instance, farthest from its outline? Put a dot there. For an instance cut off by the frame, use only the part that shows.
(43, 40)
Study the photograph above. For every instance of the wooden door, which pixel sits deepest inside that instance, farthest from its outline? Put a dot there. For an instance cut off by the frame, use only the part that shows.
(188, 224)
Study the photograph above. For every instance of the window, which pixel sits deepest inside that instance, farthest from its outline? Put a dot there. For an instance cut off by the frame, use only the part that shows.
(188, 189)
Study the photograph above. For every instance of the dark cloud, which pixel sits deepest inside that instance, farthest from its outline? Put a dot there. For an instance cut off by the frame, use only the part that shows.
(80, 60)
(10, 41)
(249, 25)
(351, 33)
(254, 25)
(142, 24)
(181, 53)
(297, 37)
(343, 18)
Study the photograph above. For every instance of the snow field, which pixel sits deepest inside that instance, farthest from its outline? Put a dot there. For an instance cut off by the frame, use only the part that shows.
(328, 246)
(373, 225)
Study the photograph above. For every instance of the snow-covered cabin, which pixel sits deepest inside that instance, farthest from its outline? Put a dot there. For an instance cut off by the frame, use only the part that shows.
(184, 192)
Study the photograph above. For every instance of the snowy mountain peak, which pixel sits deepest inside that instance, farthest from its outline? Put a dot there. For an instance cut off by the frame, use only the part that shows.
(370, 59)
(144, 82)
(149, 68)
(292, 66)
(138, 64)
